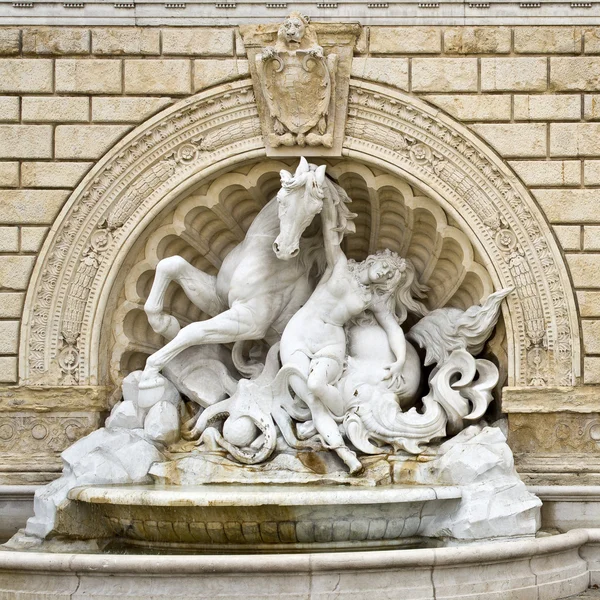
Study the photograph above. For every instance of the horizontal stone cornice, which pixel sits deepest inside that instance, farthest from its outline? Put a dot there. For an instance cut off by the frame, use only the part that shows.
(43, 399)
(577, 399)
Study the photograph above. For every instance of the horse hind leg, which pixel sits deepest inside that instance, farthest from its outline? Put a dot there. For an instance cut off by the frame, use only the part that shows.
(199, 287)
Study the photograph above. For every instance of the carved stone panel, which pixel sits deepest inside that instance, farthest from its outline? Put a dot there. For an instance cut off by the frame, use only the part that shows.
(301, 74)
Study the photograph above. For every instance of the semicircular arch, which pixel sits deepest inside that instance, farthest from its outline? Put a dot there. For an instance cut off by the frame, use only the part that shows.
(165, 158)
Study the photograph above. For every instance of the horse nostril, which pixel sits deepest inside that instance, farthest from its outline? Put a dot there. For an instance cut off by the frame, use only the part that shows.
(275, 246)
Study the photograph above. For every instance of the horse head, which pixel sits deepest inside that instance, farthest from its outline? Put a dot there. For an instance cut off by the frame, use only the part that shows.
(300, 199)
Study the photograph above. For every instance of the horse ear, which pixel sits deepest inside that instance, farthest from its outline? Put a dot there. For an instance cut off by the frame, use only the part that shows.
(285, 175)
(302, 166)
(320, 175)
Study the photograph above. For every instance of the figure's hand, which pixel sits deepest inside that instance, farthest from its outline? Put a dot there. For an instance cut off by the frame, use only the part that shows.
(394, 373)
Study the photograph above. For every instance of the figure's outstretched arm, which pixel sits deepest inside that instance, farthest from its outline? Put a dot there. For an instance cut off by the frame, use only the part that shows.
(396, 340)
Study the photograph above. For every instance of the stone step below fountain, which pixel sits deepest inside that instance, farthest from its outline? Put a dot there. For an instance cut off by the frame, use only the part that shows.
(259, 518)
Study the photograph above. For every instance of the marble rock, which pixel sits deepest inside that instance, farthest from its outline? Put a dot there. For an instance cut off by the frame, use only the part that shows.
(122, 452)
(495, 502)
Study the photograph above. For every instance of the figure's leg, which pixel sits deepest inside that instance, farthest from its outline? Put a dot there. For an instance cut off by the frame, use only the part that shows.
(199, 287)
(240, 322)
(324, 372)
(326, 425)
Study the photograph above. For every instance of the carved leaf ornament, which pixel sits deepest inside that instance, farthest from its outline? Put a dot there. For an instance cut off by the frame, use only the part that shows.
(215, 131)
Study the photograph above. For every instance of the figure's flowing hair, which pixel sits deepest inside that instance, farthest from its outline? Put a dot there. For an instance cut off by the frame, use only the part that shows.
(402, 294)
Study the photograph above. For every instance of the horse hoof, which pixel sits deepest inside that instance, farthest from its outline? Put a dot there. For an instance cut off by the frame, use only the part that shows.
(165, 325)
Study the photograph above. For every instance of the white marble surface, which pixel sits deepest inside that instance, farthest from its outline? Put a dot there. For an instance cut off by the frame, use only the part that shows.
(260, 495)
(547, 568)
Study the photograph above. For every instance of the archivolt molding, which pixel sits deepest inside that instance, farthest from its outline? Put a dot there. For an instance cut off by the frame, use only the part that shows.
(216, 130)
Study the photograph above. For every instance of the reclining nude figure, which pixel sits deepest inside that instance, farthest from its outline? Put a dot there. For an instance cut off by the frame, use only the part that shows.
(313, 344)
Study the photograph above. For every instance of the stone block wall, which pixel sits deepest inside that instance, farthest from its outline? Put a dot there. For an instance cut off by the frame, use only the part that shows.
(67, 94)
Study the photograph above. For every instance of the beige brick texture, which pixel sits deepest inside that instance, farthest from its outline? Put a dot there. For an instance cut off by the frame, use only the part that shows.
(548, 40)
(8, 369)
(591, 337)
(35, 207)
(591, 237)
(530, 137)
(15, 271)
(444, 74)
(9, 239)
(130, 110)
(9, 174)
(405, 40)
(548, 172)
(55, 109)
(391, 71)
(477, 40)
(53, 174)
(211, 72)
(126, 40)
(591, 172)
(575, 73)
(32, 238)
(55, 40)
(158, 76)
(565, 107)
(589, 303)
(591, 107)
(591, 369)
(9, 109)
(471, 107)
(575, 139)
(25, 75)
(86, 142)
(591, 40)
(9, 337)
(197, 41)
(10, 42)
(25, 141)
(526, 74)
(92, 76)
(585, 270)
(11, 304)
(569, 206)
(569, 236)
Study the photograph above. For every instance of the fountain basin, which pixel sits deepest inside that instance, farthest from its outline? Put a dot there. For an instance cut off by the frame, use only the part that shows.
(546, 568)
(257, 518)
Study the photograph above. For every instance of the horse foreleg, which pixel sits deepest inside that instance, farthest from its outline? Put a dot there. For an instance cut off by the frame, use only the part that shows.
(199, 287)
(240, 322)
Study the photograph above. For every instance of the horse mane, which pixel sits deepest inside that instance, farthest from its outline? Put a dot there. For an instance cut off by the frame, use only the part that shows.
(344, 216)
(312, 247)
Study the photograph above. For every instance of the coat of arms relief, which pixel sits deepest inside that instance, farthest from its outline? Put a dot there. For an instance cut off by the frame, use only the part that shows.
(296, 79)
(301, 74)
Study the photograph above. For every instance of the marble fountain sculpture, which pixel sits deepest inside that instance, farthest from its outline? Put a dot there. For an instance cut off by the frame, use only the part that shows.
(322, 406)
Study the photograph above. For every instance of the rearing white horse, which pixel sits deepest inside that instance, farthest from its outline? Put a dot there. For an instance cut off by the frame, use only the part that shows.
(262, 282)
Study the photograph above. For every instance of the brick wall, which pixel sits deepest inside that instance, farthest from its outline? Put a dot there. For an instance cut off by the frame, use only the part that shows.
(68, 94)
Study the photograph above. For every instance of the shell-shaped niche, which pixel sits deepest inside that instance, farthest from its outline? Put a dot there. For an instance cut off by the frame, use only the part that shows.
(212, 219)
